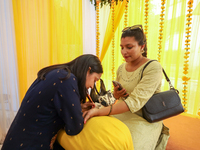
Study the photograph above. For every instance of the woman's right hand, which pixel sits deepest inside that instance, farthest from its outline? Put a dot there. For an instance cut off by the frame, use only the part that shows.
(90, 113)
(119, 93)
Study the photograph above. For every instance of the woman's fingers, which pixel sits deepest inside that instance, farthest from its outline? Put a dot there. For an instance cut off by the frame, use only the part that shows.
(86, 118)
(87, 106)
(125, 94)
(119, 93)
(84, 113)
(90, 113)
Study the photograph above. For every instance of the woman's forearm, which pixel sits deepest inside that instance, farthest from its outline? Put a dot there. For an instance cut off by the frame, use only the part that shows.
(116, 109)
(110, 110)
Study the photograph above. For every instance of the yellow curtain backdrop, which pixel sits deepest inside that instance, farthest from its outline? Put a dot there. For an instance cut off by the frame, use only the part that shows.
(119, 11)
(47, 32)
(173, 45)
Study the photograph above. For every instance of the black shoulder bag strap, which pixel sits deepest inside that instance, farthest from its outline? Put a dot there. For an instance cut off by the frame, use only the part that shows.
(166, 77)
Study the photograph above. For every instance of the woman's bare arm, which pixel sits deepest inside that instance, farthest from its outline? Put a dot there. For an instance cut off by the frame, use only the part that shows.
(115, 109)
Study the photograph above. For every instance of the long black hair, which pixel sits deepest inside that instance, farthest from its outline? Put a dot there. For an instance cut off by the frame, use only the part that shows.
(79, 67)
(139, 35)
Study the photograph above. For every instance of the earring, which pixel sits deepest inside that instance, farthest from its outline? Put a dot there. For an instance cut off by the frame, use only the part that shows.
(142, 50)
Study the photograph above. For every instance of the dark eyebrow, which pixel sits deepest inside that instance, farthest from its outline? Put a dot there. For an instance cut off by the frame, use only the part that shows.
(127, 45)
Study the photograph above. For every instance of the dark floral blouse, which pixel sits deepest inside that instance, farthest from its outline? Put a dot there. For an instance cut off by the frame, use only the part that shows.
(48, 106)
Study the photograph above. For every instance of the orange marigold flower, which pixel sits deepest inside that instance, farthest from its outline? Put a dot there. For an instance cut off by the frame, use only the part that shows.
(187, 44)
(186, 65)
(162, 11)
(188, 28)
(190, 1)
(189, 19)
(187, 53)
(186, 57)
(187, 48)
(185, 83)
(188, 23)
(186, 61)
(161, 23)
(184, 78)
(188, 32)
(185, 87)
(187, 36)
(190, 6)
(162, 7)
(184, 91)
(190, 14)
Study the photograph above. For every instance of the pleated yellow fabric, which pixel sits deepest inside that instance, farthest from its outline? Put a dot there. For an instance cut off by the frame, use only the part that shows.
(99, 133)
(119, 10)
(47, 32)
(66, 30)
(31, 20)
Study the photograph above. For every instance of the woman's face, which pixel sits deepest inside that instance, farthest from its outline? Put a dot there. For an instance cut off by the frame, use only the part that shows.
(130, 49)
(91, 78)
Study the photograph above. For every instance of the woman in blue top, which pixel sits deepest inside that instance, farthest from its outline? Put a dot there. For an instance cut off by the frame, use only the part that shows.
(55, 100)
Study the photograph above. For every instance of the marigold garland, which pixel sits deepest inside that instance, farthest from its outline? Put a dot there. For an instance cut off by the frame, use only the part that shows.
(186, 56)
(146, 12)
(97, 29)
(126, 14)
(104, 2)
(125, 18)
(162, 15)
(113, 38)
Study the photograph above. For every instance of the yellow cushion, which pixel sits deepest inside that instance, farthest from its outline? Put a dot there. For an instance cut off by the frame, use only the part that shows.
(99, 133)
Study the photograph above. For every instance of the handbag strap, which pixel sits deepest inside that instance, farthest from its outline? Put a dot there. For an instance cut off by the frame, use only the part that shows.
(102, 87)
(96, 88)
(166, 77)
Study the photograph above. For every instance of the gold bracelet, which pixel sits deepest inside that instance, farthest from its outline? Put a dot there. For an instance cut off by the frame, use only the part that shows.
(110, 110)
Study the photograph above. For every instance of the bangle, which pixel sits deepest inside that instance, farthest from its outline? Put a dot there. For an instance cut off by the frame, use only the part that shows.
(110, 110)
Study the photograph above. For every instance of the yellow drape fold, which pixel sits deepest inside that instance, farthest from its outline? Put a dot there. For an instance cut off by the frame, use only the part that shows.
(66, 30)
(119, 11)
(47, 32)
(32, 40)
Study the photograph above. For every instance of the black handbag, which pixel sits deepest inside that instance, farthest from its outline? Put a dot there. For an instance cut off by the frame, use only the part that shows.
(94, 94)
(162, 105)
(102, 97)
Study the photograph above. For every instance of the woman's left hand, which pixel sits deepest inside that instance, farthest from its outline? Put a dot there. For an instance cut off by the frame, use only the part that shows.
(86, 106)
(119, 93)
